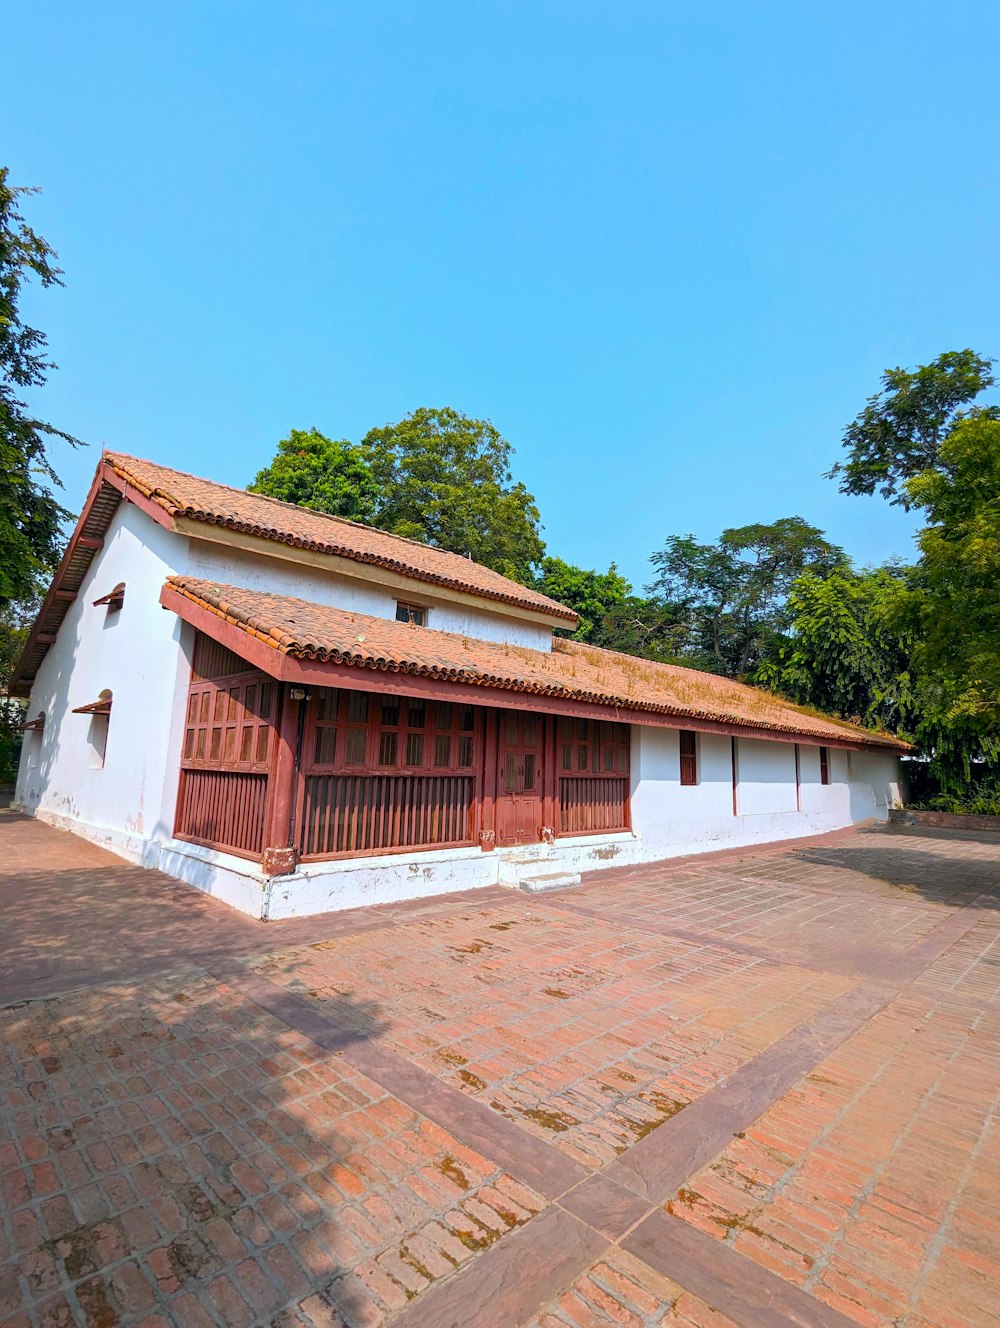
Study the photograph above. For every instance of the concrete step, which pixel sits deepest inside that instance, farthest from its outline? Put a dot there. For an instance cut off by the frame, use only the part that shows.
(534, 885)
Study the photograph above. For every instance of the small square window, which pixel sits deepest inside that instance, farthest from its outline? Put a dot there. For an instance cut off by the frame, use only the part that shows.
(411, 613)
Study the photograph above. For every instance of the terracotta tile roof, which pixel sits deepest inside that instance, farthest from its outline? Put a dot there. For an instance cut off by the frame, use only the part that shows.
(182, 495)
(571, 671)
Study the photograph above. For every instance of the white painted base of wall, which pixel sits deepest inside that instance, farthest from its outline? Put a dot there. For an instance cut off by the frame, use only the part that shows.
(357, 882)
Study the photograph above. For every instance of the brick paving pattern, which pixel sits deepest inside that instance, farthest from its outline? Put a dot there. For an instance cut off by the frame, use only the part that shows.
(755, 1089)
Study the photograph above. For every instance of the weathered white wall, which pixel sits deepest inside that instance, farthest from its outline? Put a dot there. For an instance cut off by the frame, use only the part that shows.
(137, 654)
(766, 777)
(670, 819)
(214, 562)
(489, 626)
(279, 576)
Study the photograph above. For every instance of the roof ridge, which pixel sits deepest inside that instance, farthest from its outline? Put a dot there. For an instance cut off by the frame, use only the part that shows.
(336, 535)
(296, 507)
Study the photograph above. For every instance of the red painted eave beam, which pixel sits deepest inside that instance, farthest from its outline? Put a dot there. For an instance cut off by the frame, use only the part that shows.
(306, 673)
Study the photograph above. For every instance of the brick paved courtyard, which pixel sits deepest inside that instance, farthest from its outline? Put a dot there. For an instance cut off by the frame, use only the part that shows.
(754, 1089)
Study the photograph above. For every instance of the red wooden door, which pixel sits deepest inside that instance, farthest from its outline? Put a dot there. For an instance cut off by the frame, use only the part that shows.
(519, 778)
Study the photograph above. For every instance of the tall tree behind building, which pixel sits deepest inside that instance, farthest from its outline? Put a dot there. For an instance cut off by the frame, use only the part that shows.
(30, 517)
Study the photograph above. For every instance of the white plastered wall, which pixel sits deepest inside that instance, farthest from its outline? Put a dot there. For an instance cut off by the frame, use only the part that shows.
(671, 819)
(278, 576)
(137, 654)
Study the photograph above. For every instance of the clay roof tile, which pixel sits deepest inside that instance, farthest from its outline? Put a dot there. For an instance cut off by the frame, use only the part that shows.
(183, 495)
(569, 671)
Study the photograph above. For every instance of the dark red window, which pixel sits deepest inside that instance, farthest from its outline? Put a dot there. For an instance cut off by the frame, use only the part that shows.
(824, 765)
(592, 760)
(228, 749)
(368, 732)
(230, 722)
(593, 747)
(381, 774)
(689, 757)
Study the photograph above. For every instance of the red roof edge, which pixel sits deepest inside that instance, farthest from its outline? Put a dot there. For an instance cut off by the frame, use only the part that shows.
(154, 496)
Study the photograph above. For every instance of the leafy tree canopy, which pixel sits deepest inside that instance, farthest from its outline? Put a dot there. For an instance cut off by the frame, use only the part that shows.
(846, 651)
(645, 626)
(733, 594)
(955, 600)
(591, 594)
(899, 433)
(445, 479)
(437, 476)
(325, 474)
(30, 517)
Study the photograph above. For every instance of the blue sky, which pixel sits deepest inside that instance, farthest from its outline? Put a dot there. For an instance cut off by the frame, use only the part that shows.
(668, 249)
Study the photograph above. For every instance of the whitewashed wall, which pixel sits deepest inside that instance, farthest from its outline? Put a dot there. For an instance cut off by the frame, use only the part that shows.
(214, 562)
(671, 819)
(138, 655)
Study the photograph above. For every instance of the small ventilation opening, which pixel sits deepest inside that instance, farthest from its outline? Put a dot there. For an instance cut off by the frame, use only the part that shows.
(414, 614)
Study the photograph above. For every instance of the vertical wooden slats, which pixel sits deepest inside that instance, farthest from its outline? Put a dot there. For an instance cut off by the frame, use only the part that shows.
(373, 813)
(224, 808)
(589, 804)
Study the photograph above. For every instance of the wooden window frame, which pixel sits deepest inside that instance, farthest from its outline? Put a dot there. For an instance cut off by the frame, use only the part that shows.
(589, 751)
(390, 716)
(225, 703)
(687, 743)
(824, 766)
(414, 614)
(242, 704)
(594, 747)
(463, 732)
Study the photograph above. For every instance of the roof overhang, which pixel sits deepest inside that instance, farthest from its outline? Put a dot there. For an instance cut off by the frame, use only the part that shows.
(266, 655)
(109, 489)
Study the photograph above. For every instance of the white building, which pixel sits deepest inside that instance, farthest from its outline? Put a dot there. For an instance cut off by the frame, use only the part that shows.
(297, 713)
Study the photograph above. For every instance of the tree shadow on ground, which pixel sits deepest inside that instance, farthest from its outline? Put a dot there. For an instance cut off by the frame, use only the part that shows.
(168, 1146)
(937, 866)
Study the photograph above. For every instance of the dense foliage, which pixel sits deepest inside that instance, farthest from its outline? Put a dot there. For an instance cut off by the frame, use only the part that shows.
(917, 445)
(732, 596)
(437, 476)
(899, 433)
(326, 474)
(30, 518)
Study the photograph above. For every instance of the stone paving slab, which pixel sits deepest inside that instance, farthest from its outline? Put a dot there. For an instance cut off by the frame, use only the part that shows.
(757, 1090)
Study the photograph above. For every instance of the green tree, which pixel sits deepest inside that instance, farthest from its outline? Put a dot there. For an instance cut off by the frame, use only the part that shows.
(924, 443)
(899, 433)
(325, 474)
(591, 594)
(954, 603)
(847, 651)
(30, 518)
(646, 626)
(733, 594)
(445, 479)
(15, 619)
